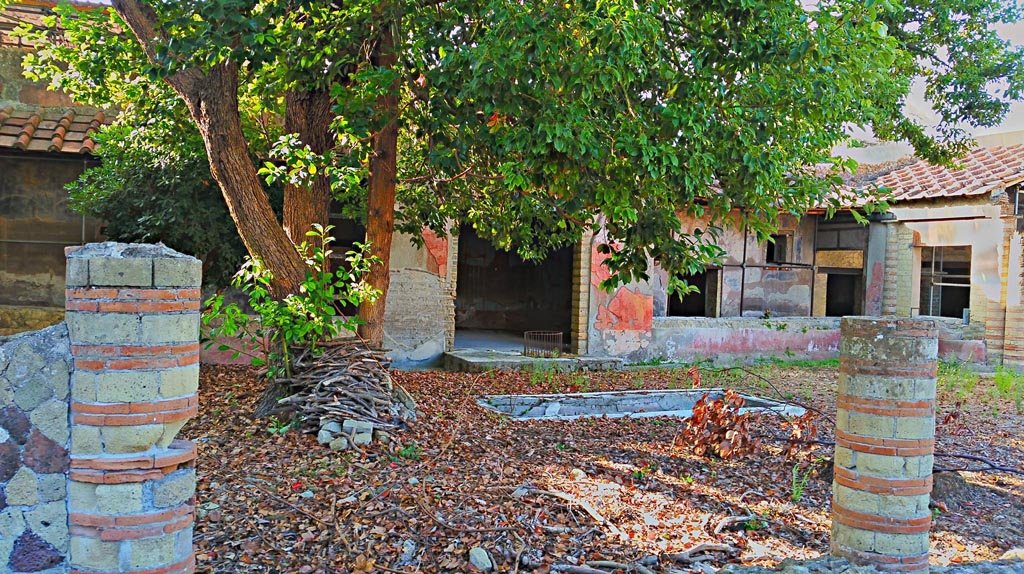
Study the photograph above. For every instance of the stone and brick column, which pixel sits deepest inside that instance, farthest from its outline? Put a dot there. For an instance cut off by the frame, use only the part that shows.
(885, 437)
(133, 321)
(1013, 325)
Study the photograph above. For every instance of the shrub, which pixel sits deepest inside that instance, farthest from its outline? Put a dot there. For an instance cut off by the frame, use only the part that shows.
(303, 320)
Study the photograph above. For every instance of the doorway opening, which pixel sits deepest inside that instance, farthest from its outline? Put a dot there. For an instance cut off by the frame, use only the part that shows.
(499, 296)
(843, 294)
(702, 303)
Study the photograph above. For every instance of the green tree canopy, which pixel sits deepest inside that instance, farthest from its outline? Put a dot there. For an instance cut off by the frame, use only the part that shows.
(535, 121)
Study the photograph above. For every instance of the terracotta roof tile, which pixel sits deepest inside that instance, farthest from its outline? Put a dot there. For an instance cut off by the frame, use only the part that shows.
(980, 172)
(45, 130)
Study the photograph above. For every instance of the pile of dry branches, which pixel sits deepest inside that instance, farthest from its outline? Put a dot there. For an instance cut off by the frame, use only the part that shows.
(345, 380)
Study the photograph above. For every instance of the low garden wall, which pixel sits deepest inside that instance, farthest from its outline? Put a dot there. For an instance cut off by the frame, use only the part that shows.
(93, 479)
(732, 340)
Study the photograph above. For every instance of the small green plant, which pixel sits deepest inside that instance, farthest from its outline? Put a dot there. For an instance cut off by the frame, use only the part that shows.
(754, 524)
(1009, 384)
(687, 479)
(411, 451)
(541, 376)
(956, 378)
(279, 427)
(652, 362)
(799, 483)
(303, 320)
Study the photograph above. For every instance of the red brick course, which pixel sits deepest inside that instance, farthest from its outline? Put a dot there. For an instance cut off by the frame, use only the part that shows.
(876, 485)
(179, 453)
(132, 294)
(925, 408)
(885, 446)
(875, 523)
(135, 419)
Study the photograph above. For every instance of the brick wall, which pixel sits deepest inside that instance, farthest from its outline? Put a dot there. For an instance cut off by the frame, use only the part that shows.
(897, 295)
(94, 478)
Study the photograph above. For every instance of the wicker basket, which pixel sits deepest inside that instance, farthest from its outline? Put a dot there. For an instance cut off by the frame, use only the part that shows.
(542, 343)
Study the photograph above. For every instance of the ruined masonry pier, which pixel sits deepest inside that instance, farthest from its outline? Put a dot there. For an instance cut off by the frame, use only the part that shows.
(885, 437)
(133, 321)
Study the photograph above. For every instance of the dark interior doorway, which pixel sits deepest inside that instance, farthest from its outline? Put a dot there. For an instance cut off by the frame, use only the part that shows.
(702, 303)
(843, 295)
(501, 294)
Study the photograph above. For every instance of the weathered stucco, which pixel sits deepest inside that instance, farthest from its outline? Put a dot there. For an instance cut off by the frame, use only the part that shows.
(419, 313)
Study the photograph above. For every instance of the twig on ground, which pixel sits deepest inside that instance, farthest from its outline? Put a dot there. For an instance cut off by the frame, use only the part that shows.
(586, 506)
(731, 520)
(633, 567)
(781, 395)
(571, 569)
(692, 555)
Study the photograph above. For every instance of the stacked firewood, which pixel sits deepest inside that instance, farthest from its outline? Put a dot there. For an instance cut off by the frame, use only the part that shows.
(344, 381)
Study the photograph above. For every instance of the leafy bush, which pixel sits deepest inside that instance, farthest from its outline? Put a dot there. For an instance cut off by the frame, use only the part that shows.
(303, 320)
(147, 191)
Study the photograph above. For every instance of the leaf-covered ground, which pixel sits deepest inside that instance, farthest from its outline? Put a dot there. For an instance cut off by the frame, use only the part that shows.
(463, 477)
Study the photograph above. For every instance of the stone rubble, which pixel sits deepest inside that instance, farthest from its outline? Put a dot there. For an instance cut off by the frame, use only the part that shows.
(348, 434)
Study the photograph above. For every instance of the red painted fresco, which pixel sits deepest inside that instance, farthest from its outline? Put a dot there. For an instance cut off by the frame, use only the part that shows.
(598, 271)
(627, 311)
(873, 297)
(437, 251)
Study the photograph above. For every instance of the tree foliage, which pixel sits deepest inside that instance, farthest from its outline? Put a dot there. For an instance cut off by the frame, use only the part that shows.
(536, 121)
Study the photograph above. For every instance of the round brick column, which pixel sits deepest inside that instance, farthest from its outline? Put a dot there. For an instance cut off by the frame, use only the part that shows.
(1013, 323)
(885, 436)
(133, 321)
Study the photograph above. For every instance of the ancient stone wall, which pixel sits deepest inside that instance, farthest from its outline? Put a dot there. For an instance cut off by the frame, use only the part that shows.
(34, 377)
(94, 480)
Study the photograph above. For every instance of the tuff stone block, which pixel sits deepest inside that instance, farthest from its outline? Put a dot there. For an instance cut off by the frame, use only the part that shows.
(86, 440)
(52, 487)
(149, 552)
(121, 272)
(50, 521)
(127, 386)
(119, 498)
(177, 272)
(82, 496)
(94, 553)
(175, 489)
(77, 274)
(179, 381)
(128, 439)
(51, 419)
(170, 328)
(96, 328)
(23, 488)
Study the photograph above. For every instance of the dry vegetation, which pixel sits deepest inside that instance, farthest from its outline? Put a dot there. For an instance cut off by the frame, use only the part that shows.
(541, 495)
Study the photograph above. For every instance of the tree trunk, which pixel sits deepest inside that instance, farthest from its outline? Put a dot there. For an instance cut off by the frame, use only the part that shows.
(308, 114)
(380, 201)
(212, 99)
(213, 102)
